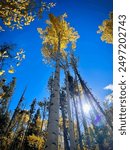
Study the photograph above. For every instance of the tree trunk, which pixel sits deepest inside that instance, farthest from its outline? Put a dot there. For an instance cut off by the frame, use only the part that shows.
(64, 113)
(88, 93)
(53, 124)
(71, 129)
(78, 126)
(15, 112)
(43, 118)
(84, 122)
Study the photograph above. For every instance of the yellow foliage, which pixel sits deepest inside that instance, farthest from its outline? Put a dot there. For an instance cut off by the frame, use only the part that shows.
(58, 30)
(25, 118)
(35, 142)
(11, 70)
(16, 13)
(107, 30)
(78, 89)
(2, 95)
(38, 122)
(17, 59)
(13, 13)
(2, 72)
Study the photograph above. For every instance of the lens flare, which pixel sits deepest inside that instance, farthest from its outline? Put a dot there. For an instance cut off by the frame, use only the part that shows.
(86, 108)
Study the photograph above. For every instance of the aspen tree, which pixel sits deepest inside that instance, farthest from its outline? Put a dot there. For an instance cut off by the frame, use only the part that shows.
(56, 37)
(71, 130)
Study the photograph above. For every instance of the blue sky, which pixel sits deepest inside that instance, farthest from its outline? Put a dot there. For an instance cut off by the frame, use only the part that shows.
(95, 56)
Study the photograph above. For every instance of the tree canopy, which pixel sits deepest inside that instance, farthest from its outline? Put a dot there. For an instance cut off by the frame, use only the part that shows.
(57, 29)
(106, 29)
(17, 13)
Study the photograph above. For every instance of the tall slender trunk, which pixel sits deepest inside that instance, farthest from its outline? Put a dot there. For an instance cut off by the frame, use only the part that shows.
(12, 87)
(64, 112)
(88, 93)
(15, 112)
(53, 124)
(84, 121)
(51, 88)
(16, 132)
(43, 118)
(78, 126)
(71, 129)
(90, 98)
(25, 133)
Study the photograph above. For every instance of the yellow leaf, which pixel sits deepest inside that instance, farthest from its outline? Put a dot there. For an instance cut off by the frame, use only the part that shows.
(11, 70)
(2, 94)
(1, 72)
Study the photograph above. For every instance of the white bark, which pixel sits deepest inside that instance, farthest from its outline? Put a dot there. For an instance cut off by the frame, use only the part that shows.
(71, 129)
(53, 124)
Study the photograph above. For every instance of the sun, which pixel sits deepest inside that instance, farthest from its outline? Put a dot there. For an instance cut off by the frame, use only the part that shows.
(86, 108)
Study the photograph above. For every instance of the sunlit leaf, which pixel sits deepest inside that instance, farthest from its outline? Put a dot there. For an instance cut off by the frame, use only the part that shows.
(5, 56)
(2, 72)
(23, 56)
(18, 64)
(11, 70)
